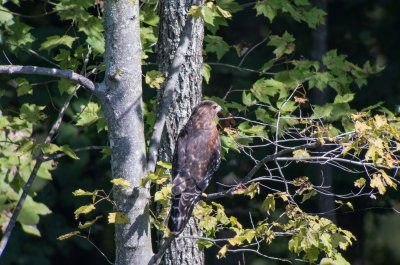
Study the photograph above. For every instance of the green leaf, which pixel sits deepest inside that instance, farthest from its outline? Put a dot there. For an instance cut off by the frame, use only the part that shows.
(268, 204)
(68, 151)
(6, 18)
(89, 115)
(216, 44)
(31, 211)
(55, 41)
(31, 229)
(344, 98)
(263, 8)
(66, 86)
(202, 243)
(118, 218)
(265, 88)
(84, 210)
(32, 113)
(284, 44)
(154, 79)
(24, 87)
(247, 99)
(206, 72)
(208, 14)
(49, 148)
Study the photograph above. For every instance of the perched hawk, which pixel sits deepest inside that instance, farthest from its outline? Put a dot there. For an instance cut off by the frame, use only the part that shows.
(197, 156)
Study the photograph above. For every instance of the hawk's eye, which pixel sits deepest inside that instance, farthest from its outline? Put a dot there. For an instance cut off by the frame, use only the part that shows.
(215, 106)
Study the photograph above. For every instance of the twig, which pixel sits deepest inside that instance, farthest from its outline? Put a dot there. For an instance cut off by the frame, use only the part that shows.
(241, 69)
(67, 74)
(173, 75)
(77, 150)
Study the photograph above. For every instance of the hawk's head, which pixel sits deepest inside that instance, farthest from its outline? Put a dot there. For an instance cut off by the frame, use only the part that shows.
(207, 107)
(203, 114)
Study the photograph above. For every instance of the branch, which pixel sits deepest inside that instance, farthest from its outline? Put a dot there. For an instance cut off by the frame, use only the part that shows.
(156, 259)
(173, 75)
(39, 155)
(35, 70)
(253, 171)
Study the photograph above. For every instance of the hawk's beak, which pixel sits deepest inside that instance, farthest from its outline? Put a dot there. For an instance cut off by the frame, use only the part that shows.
(219, 108)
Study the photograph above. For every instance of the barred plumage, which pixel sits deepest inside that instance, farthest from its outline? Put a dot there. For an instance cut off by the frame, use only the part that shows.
(197, 156)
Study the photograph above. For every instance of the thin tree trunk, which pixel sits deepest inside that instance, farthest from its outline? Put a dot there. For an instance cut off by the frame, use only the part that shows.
(186, 95)
(121, 97)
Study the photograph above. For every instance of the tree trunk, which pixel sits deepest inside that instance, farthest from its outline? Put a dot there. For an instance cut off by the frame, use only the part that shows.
(186, 95)
(121, 97)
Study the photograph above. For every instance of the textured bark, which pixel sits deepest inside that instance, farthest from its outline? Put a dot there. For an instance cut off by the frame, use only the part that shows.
(186, 95)
(121, 97)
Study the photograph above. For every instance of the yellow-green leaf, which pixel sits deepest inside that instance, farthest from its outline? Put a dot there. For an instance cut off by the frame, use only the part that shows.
(31, 229)
(88, 223)
(80, 192)
(164, 165)
(301, 153)
(66, 236)
(154, 79)
(118, 218)
(121, 182)
(359, 183)
(222, 252)
(269, 203)
(84, 210)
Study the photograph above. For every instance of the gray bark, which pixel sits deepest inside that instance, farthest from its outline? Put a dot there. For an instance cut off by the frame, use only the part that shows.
(121, 97)
(186, 95)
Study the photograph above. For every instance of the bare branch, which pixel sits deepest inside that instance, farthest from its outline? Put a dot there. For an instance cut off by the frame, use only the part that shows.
(239, 68)
(35, 70)
(18, 208)
(173, 75)
(253, 171)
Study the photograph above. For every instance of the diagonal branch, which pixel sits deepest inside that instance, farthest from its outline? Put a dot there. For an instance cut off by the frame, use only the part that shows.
(156, 259)
(35, 70)
(173, 75)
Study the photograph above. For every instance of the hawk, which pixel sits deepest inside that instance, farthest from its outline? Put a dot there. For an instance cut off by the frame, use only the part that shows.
(197, 156)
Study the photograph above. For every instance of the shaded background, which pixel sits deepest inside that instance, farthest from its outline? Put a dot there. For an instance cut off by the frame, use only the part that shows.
(362, 29)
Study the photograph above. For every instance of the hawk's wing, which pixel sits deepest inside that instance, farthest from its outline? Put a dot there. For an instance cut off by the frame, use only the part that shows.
(196, 158)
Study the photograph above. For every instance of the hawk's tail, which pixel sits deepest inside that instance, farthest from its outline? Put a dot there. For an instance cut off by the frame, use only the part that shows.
(181, 210)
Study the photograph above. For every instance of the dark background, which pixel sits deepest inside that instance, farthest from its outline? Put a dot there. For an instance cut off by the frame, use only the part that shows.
(362, 29)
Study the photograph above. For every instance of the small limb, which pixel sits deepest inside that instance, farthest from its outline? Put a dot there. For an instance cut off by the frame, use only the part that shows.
(156, 259)
(173, 75)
